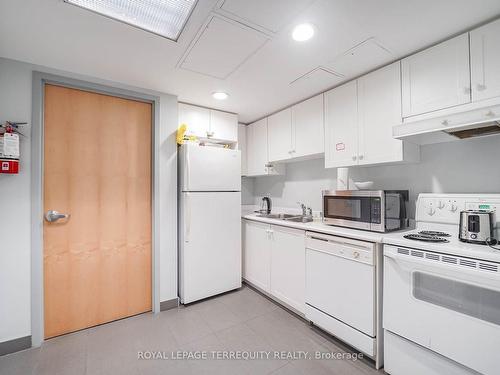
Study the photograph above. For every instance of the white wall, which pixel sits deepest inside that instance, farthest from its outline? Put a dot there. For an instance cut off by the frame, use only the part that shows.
(469, 166)
(15, 199)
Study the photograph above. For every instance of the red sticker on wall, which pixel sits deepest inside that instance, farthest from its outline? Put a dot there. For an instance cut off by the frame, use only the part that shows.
(340, 146)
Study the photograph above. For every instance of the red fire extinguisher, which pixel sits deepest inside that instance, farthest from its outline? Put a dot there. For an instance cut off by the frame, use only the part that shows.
(9, 147)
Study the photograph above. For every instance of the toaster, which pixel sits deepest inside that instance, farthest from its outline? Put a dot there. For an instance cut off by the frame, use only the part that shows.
(476, 226)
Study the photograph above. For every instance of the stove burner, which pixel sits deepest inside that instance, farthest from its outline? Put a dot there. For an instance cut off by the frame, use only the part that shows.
(425, 238)
(434, 233)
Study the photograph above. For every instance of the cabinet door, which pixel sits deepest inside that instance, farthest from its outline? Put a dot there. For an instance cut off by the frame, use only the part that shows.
(242, 146)
(308, 129)
(197, 119)
(257, 148)
(485, 61)
(223, 126)
(437, 77)
(288, 266)
(279, 130)
(341, 126)
(257, 254)
(379, 109)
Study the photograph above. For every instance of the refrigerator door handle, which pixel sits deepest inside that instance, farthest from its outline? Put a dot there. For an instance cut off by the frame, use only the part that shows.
(187, 219)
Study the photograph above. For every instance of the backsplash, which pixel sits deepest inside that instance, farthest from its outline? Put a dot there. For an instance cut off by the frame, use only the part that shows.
(471, 166)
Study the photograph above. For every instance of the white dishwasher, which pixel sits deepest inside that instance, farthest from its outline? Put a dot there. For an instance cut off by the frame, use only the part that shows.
(341, 289)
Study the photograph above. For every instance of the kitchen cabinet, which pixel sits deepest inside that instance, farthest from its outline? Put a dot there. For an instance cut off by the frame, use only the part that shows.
(242, 146)
(341, 126)
(437, 77)
(379, 109)
(279, 132)
(223, 125)
(485, 61)
(288, 266)
(308, 128)
(209, 123)
(257, 151)
(298, 131)
(359, 117)
(257, 254)
(197, 119)
(274, 261)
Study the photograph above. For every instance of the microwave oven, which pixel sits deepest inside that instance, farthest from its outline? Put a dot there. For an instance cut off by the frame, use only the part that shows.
(373, 210)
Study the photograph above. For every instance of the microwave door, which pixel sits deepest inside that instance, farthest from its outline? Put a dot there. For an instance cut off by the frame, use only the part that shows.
(347, 211)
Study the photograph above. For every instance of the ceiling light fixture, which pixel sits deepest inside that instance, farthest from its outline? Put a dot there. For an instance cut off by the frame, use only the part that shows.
(303, 32)
(162, 17)
(220, 95)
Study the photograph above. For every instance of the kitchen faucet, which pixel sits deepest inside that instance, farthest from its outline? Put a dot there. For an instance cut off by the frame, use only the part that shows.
(306, 211)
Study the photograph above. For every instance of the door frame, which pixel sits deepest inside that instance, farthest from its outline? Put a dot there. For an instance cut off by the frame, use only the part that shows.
(40, 79)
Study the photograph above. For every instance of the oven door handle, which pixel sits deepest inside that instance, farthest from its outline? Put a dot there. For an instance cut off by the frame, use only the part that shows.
(460, 270)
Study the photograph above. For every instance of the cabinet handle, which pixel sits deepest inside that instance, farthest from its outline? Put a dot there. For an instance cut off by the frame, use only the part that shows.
(354, 157)
(210, 134)
(480, 87)
(467, 90)
(490, 114)
(445, 123)
(361, 157)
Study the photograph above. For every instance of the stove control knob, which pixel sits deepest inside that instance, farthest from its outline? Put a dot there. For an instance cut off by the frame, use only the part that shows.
(431, 211)
(440, 204)
(452, 207)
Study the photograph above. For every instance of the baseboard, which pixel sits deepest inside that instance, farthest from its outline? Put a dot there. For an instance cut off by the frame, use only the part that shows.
(15, 345)
(170, 304)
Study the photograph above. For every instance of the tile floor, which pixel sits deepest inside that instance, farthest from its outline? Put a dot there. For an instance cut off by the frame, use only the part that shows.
(242, 320)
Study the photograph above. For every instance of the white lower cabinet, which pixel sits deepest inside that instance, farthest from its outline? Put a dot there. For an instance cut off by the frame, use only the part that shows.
(257, 254)
(274, 261)
(288, 266)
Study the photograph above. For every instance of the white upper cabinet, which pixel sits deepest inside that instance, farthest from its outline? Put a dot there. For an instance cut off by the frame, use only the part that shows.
(341, 126)
(197, 119)
(209, 123)
(379, 109)
(437, 77)
(257, 148)
(308, 127)
(242, 146)
(223, 125)
(485, 61)
(279, 132)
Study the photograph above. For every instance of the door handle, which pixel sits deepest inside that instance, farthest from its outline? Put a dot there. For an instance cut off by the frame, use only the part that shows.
(52, 216)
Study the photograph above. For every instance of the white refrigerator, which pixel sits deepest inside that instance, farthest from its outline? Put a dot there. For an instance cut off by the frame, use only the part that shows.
(209, 221)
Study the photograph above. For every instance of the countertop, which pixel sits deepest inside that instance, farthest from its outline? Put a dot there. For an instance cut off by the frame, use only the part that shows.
(318, 226)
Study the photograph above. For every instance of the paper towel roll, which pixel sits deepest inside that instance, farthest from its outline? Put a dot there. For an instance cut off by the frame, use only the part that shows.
(342, 178)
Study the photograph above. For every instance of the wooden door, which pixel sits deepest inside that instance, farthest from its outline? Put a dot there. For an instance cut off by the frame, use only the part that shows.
(341, 126)
(485, 61)
(437, 77)
(379, 109)
(97, 168)
(308, 127)
(279, 133)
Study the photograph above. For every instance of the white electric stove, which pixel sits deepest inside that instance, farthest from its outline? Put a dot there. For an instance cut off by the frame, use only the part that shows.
(441, 295)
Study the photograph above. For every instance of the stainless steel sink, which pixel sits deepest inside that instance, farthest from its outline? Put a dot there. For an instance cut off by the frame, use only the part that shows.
(288, 217)
(277, 216)
(300, 219)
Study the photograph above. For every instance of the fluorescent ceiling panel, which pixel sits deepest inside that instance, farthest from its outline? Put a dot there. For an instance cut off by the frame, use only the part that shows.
(163, 17)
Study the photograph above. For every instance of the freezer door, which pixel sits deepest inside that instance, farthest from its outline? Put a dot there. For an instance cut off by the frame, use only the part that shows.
(204, 168)
(210, 244)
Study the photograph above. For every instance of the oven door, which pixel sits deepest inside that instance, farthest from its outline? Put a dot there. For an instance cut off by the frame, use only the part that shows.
(448, 304)
(352, 211)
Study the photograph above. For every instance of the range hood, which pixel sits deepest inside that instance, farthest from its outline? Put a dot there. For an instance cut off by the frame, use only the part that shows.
(479, 122)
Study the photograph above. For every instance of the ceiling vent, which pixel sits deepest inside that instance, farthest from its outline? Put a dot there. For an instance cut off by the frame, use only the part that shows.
(221, 47)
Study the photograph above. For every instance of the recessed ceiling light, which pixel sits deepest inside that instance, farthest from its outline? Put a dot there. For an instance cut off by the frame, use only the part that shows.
(163, 17)
(220, 95)
(303, 32)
